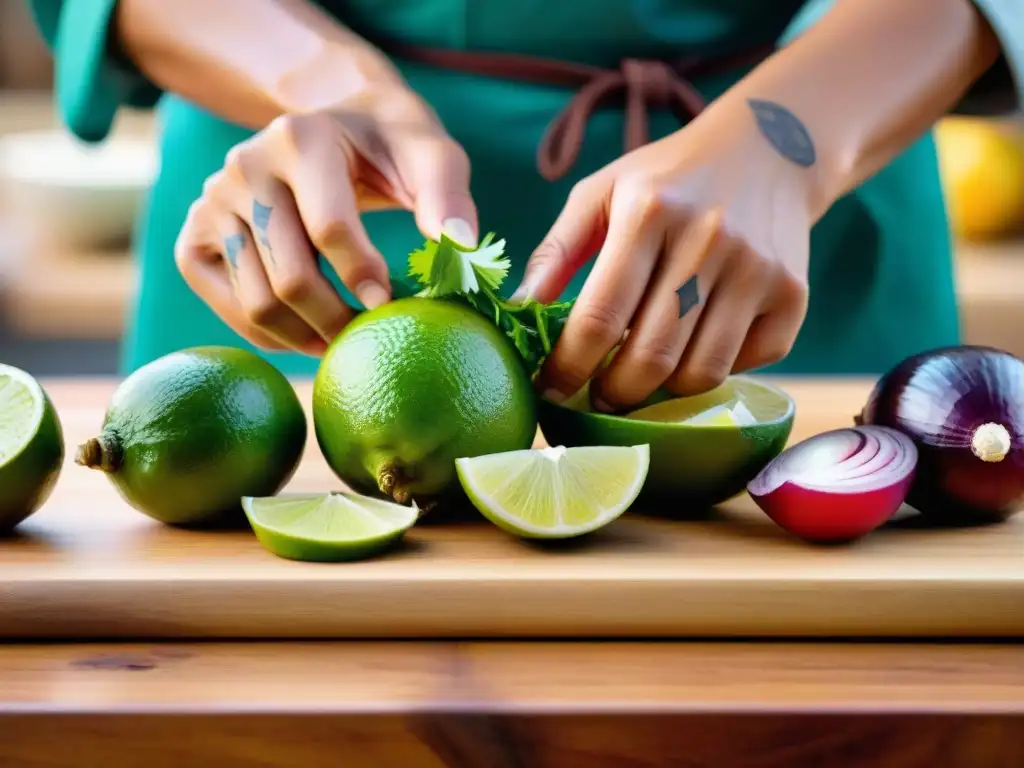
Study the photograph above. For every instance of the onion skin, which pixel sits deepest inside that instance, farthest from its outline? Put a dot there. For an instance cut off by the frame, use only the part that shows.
(833, 506)
(940, 399)
(837, 518)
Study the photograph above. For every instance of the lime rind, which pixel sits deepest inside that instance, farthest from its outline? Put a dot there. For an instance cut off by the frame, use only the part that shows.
(22, 406)
(555, 493)
(331, 527)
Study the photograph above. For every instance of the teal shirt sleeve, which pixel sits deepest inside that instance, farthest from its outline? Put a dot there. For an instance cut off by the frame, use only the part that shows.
(1001, 90)
(91, 81)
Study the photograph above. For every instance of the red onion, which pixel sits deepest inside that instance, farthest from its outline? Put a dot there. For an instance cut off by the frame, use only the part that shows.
(964, 409)
(839, 485)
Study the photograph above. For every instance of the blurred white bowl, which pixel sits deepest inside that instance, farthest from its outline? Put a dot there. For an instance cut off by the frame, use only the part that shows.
(74, 194)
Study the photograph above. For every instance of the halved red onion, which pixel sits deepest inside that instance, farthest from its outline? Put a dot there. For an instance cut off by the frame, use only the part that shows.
(839, 485)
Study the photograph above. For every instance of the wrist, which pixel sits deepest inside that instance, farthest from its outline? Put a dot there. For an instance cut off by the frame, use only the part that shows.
(330, 72)
(787, 156)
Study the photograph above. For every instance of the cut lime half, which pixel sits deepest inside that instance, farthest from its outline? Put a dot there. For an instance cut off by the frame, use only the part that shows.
(555, 493)
(327, 527)
(31, 446)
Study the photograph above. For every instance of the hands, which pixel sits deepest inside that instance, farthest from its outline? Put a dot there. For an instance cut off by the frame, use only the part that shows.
(702, 244)
(248, 246)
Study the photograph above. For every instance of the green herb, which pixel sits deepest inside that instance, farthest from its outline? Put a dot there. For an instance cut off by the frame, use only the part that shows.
(446, 269)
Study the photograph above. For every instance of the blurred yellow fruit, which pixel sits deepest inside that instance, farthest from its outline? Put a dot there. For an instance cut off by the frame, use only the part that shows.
(982, 169)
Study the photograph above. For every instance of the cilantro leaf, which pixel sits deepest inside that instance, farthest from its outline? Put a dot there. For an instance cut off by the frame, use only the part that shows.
(443, 268)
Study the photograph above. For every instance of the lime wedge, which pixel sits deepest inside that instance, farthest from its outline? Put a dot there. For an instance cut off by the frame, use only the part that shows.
(555, 493)
(31, 446)
(327, 527)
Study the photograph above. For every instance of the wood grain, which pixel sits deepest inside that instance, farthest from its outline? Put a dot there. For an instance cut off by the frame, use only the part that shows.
(86, 566)
(512, 705)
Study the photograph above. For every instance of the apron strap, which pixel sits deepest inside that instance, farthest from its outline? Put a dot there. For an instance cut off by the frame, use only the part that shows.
(641, 83)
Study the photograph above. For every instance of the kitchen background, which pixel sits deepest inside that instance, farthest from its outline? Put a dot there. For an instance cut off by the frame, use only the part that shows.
(67, 276)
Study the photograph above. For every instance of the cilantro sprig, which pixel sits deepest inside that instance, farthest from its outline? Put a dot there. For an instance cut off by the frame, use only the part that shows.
(445, 269)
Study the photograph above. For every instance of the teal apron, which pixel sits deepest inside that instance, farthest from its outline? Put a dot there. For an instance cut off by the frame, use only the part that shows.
(881, 272)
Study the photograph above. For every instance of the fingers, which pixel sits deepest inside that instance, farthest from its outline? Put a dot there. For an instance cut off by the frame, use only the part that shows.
(316, 170)
(438, 174)
(714, 307)
(609, 298)
(259, 302)
(250, 245)
(242, 263)
(752, 320)
(200, 260)
(672, 308)
(287, 262)
(771, 335)
(573, 239)
(711, 351)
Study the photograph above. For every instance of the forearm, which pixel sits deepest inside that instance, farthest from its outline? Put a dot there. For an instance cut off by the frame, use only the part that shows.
(869, 78)
(247, 60)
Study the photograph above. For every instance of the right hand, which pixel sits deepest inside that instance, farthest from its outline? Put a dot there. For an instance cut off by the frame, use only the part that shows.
(248, 246)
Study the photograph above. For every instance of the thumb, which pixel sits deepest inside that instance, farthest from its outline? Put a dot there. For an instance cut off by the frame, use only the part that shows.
(442, 201)
(575, 236)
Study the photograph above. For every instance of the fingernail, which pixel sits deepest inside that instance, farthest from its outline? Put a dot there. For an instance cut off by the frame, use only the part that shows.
(601, 405)
(527, 287)
(554, 396)
(371, 294)
(460, 231)
(522, 294)
(315, 348)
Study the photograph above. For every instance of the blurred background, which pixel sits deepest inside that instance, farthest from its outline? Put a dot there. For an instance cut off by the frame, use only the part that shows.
(67, 274)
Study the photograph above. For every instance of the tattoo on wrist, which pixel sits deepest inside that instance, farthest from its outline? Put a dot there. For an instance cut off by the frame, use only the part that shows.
(233, 245)
(260, 224)
(689, 296)
(784, 131)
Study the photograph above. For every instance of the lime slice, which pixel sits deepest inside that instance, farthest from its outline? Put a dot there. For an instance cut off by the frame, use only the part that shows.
(331, 527)
(31, 446)
(555, 493)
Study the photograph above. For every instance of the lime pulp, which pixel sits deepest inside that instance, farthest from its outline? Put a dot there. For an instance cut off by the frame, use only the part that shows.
(31, 446)
(331, 527)
(555, 493)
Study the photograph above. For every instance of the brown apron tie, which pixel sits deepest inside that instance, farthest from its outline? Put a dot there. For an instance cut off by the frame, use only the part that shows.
(643, 83)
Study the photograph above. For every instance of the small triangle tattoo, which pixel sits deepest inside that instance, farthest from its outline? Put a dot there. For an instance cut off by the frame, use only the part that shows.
(689, 296)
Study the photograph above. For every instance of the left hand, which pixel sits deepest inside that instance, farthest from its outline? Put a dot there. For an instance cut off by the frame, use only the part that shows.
(702, 242)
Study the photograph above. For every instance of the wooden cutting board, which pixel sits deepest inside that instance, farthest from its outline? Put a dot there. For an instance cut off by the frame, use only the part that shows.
(86, 565)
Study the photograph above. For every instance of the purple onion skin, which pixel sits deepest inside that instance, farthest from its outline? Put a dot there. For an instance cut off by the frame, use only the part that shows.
(939, 398)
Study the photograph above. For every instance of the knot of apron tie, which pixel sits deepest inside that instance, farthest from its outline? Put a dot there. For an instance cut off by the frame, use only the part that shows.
(642, 84)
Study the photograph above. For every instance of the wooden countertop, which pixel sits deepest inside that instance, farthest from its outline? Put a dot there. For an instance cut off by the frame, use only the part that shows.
(512, 705)
(88, 566)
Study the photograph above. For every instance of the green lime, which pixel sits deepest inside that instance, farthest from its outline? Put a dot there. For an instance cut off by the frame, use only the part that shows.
(407, 388)
(327, 527)
(31, 446)
(555, 493)
(698, 457)
(187, 435)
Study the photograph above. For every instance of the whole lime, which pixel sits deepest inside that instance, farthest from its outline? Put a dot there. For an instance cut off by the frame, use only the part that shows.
(188, 435)
(31, 446)
(409, 387)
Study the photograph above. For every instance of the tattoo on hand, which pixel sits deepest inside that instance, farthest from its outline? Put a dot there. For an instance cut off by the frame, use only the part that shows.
(260, 223)
(233, 245)
(784, 132)
(689, 296)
